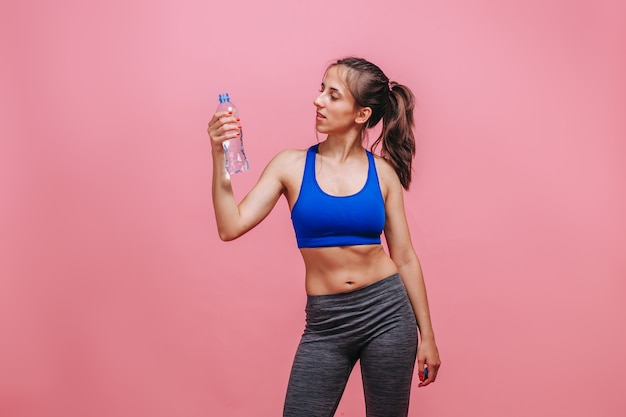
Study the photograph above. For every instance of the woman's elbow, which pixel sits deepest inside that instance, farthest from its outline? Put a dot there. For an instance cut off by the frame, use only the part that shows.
(227, 236)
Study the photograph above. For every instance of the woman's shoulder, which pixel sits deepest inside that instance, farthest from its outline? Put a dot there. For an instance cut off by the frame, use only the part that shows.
(288, 156)
(291, 153)
(384, 169)
(288, 161)
(387, 176)
(287, 167)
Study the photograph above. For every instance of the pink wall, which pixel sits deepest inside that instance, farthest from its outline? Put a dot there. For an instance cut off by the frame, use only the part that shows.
(117, 297)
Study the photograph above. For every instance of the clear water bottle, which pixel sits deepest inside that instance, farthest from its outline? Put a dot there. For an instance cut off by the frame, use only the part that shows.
(234, 155)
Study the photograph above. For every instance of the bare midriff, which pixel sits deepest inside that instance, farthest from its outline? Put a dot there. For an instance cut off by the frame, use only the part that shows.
(338, 269)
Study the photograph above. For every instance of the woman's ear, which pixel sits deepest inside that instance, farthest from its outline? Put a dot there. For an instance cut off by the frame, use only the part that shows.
(362, 115)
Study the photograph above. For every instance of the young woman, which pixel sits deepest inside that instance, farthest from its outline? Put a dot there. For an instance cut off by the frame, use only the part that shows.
(362, 303)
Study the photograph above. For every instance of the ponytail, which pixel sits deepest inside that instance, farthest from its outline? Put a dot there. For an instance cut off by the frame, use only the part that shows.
(396, 137)
(393, 103)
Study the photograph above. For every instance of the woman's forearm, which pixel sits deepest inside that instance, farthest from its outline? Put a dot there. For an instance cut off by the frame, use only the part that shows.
(413, 279)
(224, 203)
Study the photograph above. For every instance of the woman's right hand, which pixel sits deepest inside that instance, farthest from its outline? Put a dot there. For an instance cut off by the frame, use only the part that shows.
(223, 126)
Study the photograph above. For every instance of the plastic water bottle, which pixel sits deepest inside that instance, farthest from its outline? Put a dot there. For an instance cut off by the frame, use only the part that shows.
(234, 155)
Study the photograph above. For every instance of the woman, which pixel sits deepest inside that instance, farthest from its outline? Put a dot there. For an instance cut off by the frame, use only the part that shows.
(362, 303)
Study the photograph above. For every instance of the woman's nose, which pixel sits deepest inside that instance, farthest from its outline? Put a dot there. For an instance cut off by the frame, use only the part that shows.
(317, 102)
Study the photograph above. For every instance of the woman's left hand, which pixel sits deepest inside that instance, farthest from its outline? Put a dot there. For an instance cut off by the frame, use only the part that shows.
(427, 357)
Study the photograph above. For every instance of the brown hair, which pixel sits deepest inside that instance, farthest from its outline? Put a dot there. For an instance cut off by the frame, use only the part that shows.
(389, 101)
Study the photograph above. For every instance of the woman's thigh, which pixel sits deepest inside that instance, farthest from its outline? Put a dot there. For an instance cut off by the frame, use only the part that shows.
(318, 378)
(387, 364)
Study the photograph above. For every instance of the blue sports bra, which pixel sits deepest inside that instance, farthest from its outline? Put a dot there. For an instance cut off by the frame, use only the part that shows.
(322, 220)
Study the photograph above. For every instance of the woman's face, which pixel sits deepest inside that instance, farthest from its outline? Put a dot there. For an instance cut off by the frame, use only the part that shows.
(336, 109)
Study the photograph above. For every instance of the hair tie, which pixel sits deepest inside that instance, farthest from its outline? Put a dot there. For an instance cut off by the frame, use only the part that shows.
(389, 85)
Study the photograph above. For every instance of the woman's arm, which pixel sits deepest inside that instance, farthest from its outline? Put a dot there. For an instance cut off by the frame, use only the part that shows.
(403, 254)
(233, 220)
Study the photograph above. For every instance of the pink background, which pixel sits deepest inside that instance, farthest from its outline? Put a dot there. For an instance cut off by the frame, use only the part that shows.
(118, 299)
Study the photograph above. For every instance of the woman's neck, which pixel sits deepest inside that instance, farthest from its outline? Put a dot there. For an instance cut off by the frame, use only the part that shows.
(341, 147)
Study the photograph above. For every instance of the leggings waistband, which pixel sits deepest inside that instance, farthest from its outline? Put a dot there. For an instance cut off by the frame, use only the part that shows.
(358, 314)
(389, 285)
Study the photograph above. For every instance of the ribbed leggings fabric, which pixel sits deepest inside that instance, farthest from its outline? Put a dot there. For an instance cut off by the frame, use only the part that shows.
(374, 325)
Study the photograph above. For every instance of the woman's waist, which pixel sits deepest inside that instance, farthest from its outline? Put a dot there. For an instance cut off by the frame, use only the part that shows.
(353, 287)
(340, 269)
(368, 305)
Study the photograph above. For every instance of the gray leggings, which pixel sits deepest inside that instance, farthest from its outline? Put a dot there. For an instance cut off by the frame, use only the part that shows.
(375, 325)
